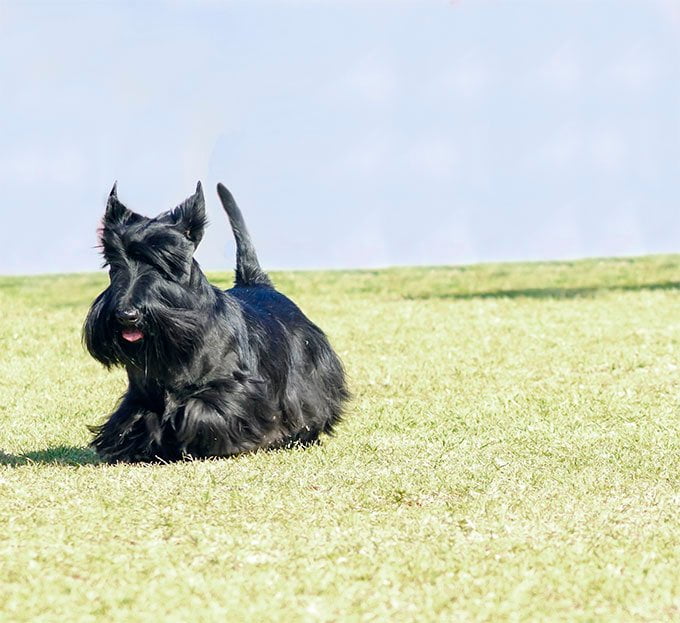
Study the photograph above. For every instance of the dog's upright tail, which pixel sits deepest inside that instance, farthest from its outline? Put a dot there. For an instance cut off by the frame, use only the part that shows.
(248, 269)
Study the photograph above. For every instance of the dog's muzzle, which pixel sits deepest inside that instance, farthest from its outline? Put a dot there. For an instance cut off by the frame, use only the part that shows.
(129, 318)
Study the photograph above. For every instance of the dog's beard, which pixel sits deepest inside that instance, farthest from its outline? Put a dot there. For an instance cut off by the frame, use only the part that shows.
(99, 331)
(159, 344)
(171, 336)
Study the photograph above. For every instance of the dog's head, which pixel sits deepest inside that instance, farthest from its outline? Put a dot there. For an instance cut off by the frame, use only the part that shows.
(151, 308)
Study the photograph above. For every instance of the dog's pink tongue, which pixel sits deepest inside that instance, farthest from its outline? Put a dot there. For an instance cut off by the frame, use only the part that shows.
(132, 335)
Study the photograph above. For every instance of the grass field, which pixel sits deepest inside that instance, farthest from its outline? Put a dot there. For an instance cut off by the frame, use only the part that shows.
(512, 453)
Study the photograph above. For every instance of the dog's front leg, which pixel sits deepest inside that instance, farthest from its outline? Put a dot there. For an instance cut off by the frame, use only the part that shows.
(131, 434)
(220, 428)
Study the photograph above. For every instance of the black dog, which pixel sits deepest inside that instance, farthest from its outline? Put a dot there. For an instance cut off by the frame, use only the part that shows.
(211, 373)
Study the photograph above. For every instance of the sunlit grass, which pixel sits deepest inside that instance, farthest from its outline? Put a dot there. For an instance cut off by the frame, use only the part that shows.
(512, 452)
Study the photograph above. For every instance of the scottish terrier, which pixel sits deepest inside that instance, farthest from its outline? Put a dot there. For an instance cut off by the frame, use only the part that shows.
(211, 373)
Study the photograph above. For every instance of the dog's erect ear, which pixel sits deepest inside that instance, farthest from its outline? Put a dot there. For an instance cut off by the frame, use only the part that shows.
(116, 212)
(189, 216)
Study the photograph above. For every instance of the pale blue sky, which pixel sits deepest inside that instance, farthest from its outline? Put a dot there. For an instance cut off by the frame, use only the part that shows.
(351, 133)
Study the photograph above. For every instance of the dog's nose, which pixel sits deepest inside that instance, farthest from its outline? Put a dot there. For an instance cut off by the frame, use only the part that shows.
(128, 316)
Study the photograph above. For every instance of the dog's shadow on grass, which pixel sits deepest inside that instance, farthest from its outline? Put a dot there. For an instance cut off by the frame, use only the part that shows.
(59, 455)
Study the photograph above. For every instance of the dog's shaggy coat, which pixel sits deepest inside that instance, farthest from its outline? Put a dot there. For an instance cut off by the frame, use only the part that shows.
(211, 373)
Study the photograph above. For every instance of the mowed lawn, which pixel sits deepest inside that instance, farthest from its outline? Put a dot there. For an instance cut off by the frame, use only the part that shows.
(511, 453)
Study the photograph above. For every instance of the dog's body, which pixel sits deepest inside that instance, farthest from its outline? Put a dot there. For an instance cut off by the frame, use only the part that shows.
(211, 372)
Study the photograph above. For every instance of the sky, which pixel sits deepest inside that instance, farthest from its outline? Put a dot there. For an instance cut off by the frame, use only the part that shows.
(352, 134)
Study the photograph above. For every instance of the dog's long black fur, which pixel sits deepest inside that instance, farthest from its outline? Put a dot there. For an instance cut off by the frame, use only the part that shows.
(211, 373)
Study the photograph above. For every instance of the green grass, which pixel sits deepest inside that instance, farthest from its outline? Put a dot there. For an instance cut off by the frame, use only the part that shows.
(512, 453)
